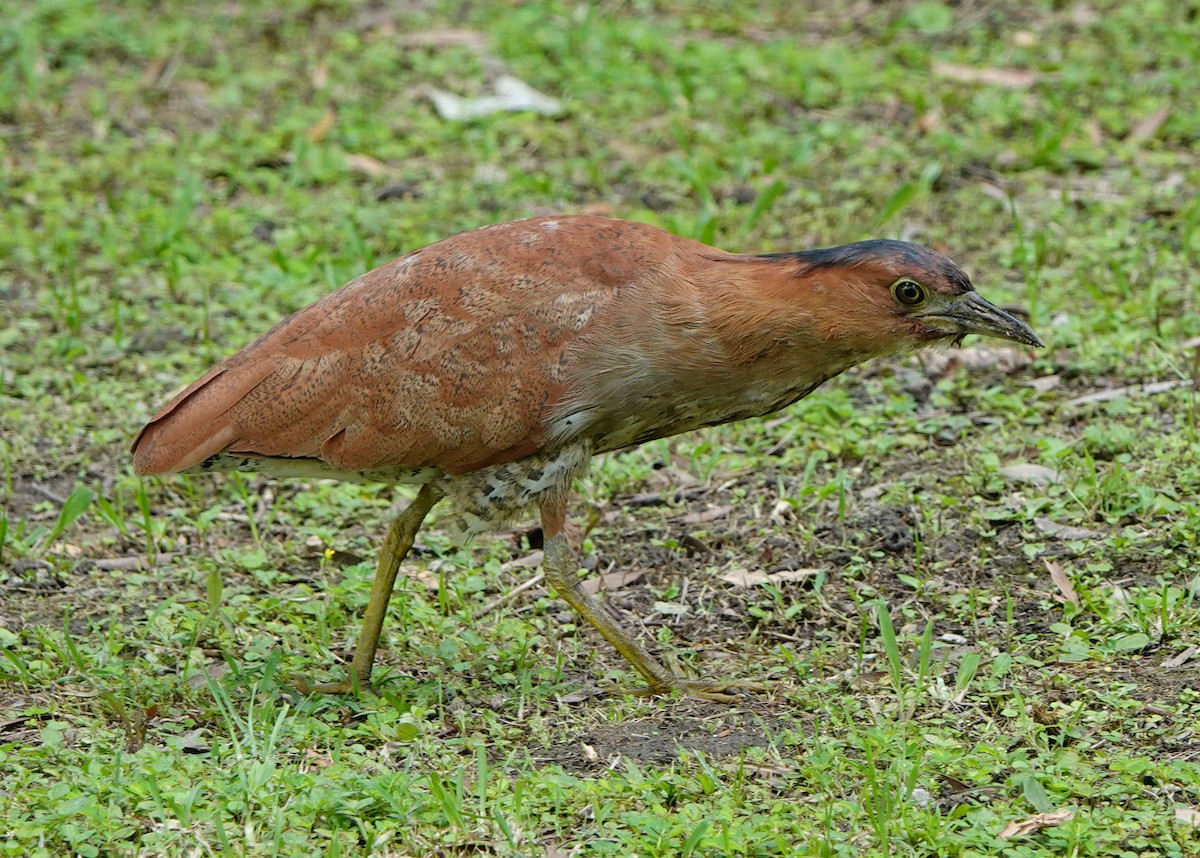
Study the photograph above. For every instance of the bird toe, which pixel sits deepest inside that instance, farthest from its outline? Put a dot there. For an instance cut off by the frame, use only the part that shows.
(732, 691)
(350, 685)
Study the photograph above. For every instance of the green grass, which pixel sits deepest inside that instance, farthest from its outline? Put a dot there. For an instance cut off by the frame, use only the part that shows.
(171, 185)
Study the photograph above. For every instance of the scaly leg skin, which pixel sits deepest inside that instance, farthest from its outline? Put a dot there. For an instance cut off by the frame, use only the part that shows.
(400, 537)
(561, 573)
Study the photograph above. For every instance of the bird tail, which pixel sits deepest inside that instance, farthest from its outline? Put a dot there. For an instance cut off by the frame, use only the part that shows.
(196, 424)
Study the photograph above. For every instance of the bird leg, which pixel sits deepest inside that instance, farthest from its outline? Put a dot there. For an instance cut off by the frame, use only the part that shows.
(561, 572)
(400, 536)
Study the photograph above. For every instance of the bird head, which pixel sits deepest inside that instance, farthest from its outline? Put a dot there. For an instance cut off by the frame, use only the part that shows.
(897, 291)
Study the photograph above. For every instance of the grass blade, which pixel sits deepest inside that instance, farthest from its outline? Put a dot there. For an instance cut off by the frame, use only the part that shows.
(74, 506)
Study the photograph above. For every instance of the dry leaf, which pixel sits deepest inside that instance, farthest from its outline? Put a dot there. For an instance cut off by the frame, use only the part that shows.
(530, 561)
(314, 545)
(754, 578)
(1035, 475)
(1188, 816)
(1036, 823)
(1045, 383)
(672, 478)
(1148, 127)
(704, 516)
(368, 165)
(511, 94)
(613, 580)
(1009, 78)
(428, 580)
(448, 38)
(316, 759)
(579, 695)
(320, 75)
(876, 491)
(955, 784)
(1062, 582)
(671, 609)
(157, 72)
(193, 742)
(995, 191)
(121, 563)
(1120, 598)
(322, 126)
(68, 548)
(930, 120)
(1181, 659)
(869, 678)
(781, 511)
(212, 670)
(1064, 531)
(1118, 392)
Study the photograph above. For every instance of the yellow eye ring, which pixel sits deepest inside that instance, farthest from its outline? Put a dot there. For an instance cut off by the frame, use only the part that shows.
(909, 292)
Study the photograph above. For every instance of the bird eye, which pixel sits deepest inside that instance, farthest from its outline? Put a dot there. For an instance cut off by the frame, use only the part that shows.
(908, 292)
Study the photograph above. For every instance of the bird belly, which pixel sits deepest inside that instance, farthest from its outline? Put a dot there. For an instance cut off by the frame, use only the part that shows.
(496, 495)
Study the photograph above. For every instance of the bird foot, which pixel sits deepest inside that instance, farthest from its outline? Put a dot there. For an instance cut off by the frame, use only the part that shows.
(702, 689)
(349, 685)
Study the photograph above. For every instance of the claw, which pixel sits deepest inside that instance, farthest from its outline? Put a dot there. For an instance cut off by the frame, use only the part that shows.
(701, 689)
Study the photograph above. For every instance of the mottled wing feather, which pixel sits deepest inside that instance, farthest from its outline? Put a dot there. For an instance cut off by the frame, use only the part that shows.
(195, 424)
(450, 356)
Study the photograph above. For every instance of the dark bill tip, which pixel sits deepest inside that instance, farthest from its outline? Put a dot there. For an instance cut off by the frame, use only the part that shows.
(973, 314)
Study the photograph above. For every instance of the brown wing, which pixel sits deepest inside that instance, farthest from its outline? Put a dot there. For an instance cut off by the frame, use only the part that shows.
(449, 356)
